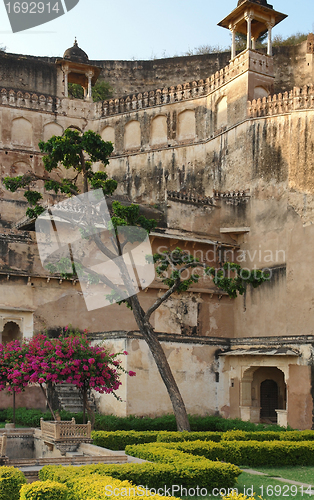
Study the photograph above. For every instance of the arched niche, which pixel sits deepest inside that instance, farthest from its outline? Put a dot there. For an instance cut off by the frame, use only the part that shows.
(108, 134)
(158, 130)
(11, 331)
(186, 125)
(19, 168)
(221, 112)
(22, 132)
(132, 135)
(51, 129)
(260, 92)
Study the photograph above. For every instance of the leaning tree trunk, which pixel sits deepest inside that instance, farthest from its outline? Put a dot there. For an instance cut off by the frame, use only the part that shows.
(163, 366)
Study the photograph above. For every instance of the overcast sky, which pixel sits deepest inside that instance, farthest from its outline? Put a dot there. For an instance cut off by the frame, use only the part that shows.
(138, 29)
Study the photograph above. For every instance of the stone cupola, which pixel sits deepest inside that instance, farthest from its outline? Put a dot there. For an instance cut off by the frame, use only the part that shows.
(76, 68)
(252, 18)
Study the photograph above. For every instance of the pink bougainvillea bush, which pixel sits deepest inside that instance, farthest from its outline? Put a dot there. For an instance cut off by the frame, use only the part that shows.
(72, 359)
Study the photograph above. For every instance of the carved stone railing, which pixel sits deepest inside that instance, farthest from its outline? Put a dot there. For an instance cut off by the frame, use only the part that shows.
(298, 98)
(21, 99)
(65, 431)
(246, 60)
(3, 445)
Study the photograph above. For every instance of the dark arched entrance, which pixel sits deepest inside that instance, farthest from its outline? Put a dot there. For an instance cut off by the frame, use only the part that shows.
(269, 399)
(11, 331)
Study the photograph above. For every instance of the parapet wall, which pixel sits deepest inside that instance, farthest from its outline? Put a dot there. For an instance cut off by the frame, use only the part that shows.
(296, 99)
(39, 74)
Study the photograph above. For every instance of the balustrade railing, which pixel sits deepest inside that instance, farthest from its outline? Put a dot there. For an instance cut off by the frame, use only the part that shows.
(65, 430)
(298, 98)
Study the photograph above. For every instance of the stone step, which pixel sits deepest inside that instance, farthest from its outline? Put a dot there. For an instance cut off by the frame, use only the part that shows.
(70, 398)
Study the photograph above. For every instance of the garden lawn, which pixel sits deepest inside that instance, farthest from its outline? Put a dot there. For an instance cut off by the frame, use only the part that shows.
(300, 473)
(276, 489)
(269, 488)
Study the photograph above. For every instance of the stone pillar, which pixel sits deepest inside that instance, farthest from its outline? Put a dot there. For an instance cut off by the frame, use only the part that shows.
(233, 44)
(248, 19)
(253, 43)
(66, 71)
(89, 75)
(269, 41)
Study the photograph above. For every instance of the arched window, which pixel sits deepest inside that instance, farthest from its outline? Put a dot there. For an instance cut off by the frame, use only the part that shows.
(260, 92)
(22, 132)
(51, 129)
(108, 134)
(186, 125)
(132, 135)
(158, 131)
(221, 113)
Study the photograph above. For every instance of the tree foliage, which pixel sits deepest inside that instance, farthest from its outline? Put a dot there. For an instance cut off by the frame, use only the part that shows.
(101, 91)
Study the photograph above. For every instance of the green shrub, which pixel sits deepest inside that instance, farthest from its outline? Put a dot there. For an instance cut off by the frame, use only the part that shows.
(297, 436)
(46, 490)
(249, 436)
(187, 472)
(252, 453)
(171, 437)
(212, 423)
(118, 440)
(11, 481)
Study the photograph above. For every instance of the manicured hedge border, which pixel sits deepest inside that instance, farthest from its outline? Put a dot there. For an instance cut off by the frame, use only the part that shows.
(251, 453)
(118, 440)
(82, 485)
(185, 470)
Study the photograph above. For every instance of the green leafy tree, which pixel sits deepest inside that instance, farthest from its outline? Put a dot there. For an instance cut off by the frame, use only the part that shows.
(100, 92)
(177, 269)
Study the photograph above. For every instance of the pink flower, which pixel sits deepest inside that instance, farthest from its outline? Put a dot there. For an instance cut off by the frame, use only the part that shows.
(132, 374)
(91, 361)
(125, 352)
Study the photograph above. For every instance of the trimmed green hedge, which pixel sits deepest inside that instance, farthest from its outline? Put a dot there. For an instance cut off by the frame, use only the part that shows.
(44, 490)
(237, 435)
(212, 423)
(251, 453)
(118, 440)
(171, 437)
(88, 485)
(11, 481)
(185, 470)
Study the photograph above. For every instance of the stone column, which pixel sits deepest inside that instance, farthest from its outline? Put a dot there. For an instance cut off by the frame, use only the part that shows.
(66, 71)
(89, 75)
(253, 43)
(232, 28)
(269, 41)
(248, 19)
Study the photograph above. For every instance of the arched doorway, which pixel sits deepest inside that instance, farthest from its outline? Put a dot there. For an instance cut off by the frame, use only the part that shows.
(11, 331)
(269, 399)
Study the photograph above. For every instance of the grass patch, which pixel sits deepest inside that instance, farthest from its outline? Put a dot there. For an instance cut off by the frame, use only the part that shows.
(302, 474)
(269, 488)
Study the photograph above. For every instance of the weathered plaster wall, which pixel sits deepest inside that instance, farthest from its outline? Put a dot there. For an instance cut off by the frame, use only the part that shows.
(31, 398)
(193, 368)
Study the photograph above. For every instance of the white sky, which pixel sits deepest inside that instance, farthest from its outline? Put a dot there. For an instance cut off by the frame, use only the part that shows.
(138, 29)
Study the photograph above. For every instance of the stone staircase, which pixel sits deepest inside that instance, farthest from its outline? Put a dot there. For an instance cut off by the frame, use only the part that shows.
(70, 399)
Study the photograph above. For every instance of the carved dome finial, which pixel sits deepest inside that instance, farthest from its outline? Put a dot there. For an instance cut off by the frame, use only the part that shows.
(75, 54)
